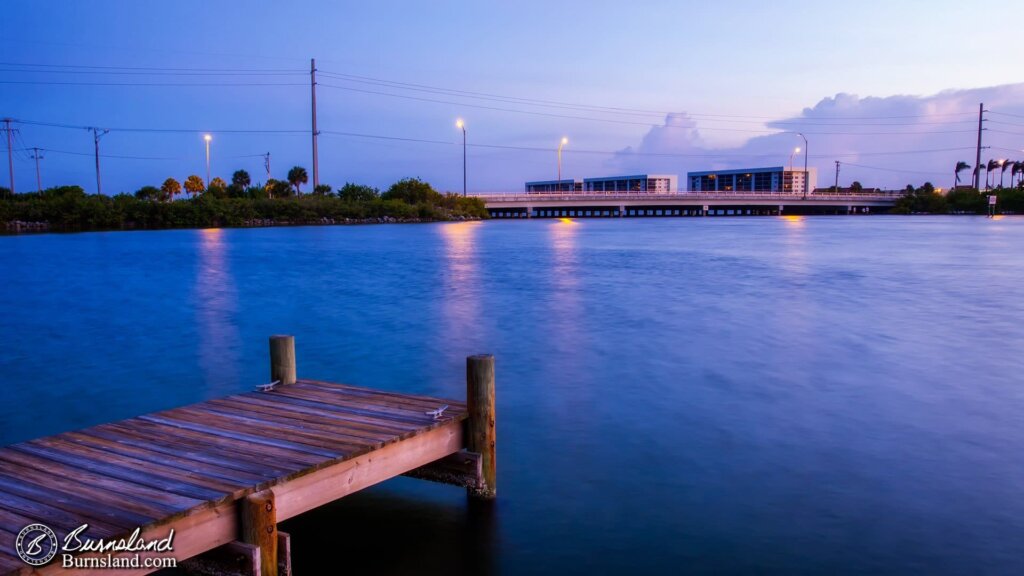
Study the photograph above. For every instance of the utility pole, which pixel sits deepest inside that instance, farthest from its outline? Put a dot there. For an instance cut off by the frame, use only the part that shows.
(312, 87)
(37, 158)
(266, 164)
(837, 176)
(98, 133)
(10, 151)
(977, 158)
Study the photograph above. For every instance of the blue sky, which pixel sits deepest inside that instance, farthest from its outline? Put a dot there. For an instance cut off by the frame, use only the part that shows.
(725, 71)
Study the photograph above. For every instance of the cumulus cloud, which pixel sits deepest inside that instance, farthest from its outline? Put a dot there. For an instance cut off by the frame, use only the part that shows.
(884, 142)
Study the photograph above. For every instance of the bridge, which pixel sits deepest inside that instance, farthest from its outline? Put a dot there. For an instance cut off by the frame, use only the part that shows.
(604, 205)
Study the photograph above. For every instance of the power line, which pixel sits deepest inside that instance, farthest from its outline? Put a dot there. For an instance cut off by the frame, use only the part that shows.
(840, 121)
(118, 156)
(139, 73)
(890, 169)
(165, 130)
(437, 89)
(140, 84)
(624, 152)
(93, 67)
(614, 121)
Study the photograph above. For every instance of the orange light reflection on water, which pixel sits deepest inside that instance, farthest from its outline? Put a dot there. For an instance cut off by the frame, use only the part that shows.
(461, 307)
(216, 305)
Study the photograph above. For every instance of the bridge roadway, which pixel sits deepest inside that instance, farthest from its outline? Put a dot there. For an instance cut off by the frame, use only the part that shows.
(603, 205)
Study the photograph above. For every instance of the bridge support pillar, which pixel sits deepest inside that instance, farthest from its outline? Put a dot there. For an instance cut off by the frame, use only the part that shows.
(529, 211)
(622, 211)
(781, 207)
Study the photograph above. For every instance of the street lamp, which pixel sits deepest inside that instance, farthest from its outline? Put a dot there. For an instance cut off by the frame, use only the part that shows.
(462, 126)
(560, 144)
(207, 137)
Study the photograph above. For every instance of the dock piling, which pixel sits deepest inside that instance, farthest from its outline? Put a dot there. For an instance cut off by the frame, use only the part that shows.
(282, 359)
(259, 528)
(480, 428)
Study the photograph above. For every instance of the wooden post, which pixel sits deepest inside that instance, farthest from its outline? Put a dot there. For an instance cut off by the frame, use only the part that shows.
(282, 359)
(259, 528)
(480, 432)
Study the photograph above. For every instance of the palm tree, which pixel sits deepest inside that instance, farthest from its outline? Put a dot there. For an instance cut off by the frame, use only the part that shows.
(992, 166)
(194, 185)
(296, 177)
(960, 167)
(1016, 168)
(240, 180)
(1003, 165)
(170, 189)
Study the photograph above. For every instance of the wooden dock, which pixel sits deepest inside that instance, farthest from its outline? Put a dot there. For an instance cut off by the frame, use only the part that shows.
(222, 473)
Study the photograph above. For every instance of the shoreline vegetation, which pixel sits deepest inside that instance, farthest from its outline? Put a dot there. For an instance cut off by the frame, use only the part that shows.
(235, 205)
(282, 203)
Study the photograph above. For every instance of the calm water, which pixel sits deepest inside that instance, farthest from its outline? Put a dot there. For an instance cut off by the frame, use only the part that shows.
(835, 395)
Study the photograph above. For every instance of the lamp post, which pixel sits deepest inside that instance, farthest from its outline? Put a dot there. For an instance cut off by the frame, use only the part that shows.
(462, 126)
(207, 137)
(560, 144)
(795, 152)
(807, 180)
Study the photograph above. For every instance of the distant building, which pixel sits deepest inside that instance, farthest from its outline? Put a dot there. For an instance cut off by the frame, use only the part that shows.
(636, 183)
(774, 179)
(548, 186)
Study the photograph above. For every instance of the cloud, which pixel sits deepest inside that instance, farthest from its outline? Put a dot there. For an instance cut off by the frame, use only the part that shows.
(884, 142)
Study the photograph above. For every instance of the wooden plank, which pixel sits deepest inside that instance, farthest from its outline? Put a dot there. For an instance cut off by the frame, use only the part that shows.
(330, 483)
(392, 400)
(307, 411)
(212, 442)
(289, 428)
(85, 510)
(216, 429)
(292, 418)
(232, 559)
(153, 509)
(167, 461)
(113, 485)
(354, 403)
(148, 474)
(271, 430)
(50, 515)
(352, 415)
(200, 530)
(458, 405)
(284, 554)
(463, 469)
(177, 446)
(209, 527)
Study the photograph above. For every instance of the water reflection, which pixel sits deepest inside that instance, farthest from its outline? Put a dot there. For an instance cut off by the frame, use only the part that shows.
(461, 307)
(565, 311)
(216, 305)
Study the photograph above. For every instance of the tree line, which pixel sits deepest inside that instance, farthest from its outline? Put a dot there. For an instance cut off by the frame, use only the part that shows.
(239, 203)
(960, 200)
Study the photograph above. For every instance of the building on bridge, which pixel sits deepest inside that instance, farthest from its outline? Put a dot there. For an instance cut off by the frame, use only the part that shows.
(548, 186)
(636, 183)
(767, 180)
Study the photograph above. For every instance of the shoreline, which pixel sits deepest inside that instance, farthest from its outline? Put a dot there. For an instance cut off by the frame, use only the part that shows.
(19, 227)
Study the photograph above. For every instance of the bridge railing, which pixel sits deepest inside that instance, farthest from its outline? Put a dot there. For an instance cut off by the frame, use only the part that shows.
(695, 196)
